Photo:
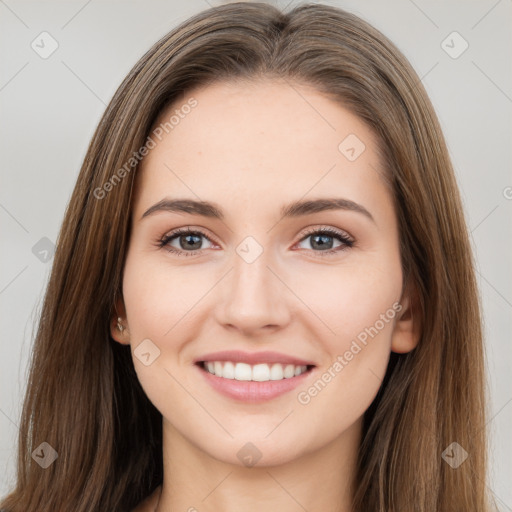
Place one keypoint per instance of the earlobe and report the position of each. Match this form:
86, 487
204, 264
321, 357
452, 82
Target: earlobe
118, 326
407, 330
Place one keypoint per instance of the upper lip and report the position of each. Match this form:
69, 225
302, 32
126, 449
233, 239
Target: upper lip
237, 356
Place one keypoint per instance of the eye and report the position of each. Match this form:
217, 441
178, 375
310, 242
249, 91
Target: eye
184, 241
188, 242
321, 241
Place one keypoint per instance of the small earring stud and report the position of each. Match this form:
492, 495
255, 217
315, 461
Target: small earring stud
120, 326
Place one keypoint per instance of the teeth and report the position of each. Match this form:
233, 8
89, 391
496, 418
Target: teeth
258, 372
229, 370
241, 371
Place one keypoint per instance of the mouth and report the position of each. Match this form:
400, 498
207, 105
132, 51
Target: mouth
261, 372
253, 383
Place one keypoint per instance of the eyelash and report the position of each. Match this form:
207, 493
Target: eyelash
346, 241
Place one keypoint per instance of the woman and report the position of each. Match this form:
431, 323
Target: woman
257, 289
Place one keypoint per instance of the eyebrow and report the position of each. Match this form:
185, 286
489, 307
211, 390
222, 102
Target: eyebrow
295, 209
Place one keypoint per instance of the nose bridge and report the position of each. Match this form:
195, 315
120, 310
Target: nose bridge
252, 296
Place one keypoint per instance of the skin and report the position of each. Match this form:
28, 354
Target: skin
252, 148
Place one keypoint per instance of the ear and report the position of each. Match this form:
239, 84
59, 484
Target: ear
118, 324
407, 330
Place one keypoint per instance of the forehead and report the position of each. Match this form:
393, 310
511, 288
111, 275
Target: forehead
259, 141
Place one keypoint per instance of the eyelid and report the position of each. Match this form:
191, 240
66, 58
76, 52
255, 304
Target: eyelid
190, 229
328, 229
345, 238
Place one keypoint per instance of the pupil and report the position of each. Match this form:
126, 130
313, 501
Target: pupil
323, 243
186, 238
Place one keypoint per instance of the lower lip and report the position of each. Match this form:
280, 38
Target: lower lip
253, 391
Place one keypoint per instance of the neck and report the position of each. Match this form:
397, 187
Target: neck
322, 479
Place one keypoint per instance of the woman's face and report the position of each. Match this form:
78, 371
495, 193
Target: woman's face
298, 256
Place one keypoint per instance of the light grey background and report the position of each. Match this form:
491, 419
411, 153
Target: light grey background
50, 107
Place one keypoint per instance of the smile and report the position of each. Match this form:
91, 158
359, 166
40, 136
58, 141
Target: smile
253, 383
258, 372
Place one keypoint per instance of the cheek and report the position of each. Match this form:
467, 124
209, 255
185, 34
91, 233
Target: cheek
358, 308
348, 300
159, 308
157, 296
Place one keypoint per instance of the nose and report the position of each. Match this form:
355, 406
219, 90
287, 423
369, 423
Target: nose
253, 298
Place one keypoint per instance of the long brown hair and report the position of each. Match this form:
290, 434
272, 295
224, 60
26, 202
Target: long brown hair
83, 397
